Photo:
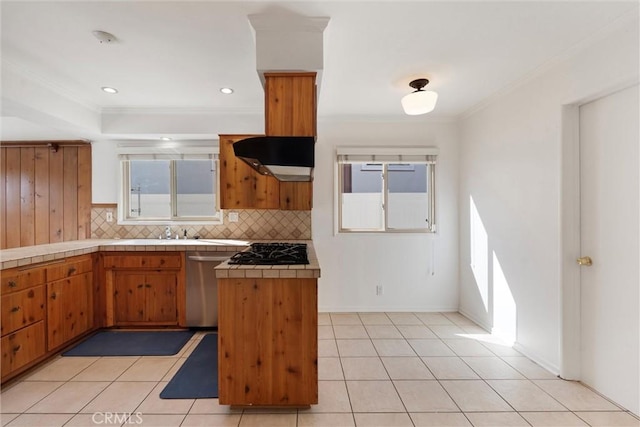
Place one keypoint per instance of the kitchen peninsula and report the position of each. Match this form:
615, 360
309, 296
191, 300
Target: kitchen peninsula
268, 334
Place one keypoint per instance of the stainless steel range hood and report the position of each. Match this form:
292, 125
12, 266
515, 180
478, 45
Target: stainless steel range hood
287, 158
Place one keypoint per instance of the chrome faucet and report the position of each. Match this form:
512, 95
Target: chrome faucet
167, 231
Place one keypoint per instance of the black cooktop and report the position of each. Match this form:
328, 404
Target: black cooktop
272, 254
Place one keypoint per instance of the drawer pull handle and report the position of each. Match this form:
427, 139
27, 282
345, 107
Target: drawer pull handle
140, 285
54, 296
12, 284
17, 348
71, 271
15, 309
147, 285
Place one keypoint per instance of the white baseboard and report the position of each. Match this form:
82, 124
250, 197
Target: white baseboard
404, 309
551, 367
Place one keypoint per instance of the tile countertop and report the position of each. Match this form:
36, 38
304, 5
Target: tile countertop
19, 257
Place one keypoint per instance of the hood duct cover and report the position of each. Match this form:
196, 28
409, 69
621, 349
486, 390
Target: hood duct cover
287, 158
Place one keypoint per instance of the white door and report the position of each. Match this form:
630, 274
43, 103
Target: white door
609, 193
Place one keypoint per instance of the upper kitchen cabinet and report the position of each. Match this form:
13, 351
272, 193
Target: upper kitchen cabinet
290, 104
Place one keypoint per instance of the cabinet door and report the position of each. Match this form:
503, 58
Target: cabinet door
22, 308
241, 187
290, 104
129, 297
296, 196
69, 309
161, 302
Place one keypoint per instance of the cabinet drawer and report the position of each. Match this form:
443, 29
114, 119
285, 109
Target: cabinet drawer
22, 347
14, 280
70, 267
159, 261
21, 309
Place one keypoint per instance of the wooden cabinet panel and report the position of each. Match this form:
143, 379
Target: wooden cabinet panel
67, 269
69, 309
296, 196
21, 309
161, 298
22, 347
268, 342
241, 187
129, 297
145, 298
151, 261
14, 280
290, 104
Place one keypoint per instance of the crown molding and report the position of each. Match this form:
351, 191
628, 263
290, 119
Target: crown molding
149, 110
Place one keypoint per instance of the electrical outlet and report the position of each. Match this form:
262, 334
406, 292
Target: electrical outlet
233, 216
109, 216
379, 290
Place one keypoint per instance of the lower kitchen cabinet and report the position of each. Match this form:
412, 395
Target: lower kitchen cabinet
69, 309
22, 347
145, 298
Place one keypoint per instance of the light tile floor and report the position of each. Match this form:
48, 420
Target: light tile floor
375, 369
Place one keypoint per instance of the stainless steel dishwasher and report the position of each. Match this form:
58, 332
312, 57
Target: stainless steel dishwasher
202, 287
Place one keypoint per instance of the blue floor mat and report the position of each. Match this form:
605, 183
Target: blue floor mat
197, 378
130, 343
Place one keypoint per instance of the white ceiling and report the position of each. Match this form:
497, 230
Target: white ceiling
172, 57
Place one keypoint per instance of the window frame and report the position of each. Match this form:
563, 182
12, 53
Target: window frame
129, 152
387, 156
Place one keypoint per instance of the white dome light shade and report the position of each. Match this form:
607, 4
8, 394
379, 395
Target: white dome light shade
420, 101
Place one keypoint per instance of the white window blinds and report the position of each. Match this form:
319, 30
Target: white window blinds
182, 150
425, 155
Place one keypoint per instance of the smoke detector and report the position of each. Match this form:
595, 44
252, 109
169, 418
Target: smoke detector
104, 37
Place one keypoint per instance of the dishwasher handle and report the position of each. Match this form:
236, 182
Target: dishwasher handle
208, 258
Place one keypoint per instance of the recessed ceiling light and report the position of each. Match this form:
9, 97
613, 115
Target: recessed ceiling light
109, 89
226, 90
166, 138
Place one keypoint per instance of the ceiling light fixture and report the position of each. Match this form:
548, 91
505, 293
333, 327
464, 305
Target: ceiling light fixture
109, 89
226, 90
420, 101
103, 36
166, 138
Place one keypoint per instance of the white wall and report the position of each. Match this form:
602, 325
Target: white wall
418, 272
510, 170
105, 172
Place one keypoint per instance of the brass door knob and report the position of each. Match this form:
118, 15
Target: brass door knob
585, 260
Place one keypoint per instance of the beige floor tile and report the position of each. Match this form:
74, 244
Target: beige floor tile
106, 369
448, 331
21, 396
416, 332
148, 369
475, 396
393, 348
159, 420
425, 396
211, 406
426, 419
475, 331
524, 395
406, 368
325, 420
374, 396
433, 319
120, 396
324, 319
174, 369
528, 368
466, 347
329, 368
69, 398
188, 348
356, 348
552, 419
211, 420
61, 369
496, 419
449, 368
430, 348
375, 319
492, 368
268, 420
609, 419
41, 420
459, 319
332, 397
500, 349
383, 420
153, 404
325, 332
345, 319
383, 331
349, 331
575, 396
327, 348
404, 319
6, 418
364, 368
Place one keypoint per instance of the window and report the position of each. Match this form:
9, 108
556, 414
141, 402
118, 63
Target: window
165, 186
379, 191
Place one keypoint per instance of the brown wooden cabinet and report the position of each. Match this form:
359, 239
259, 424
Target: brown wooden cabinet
69, 308
268, 342
290, 104
145, 290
